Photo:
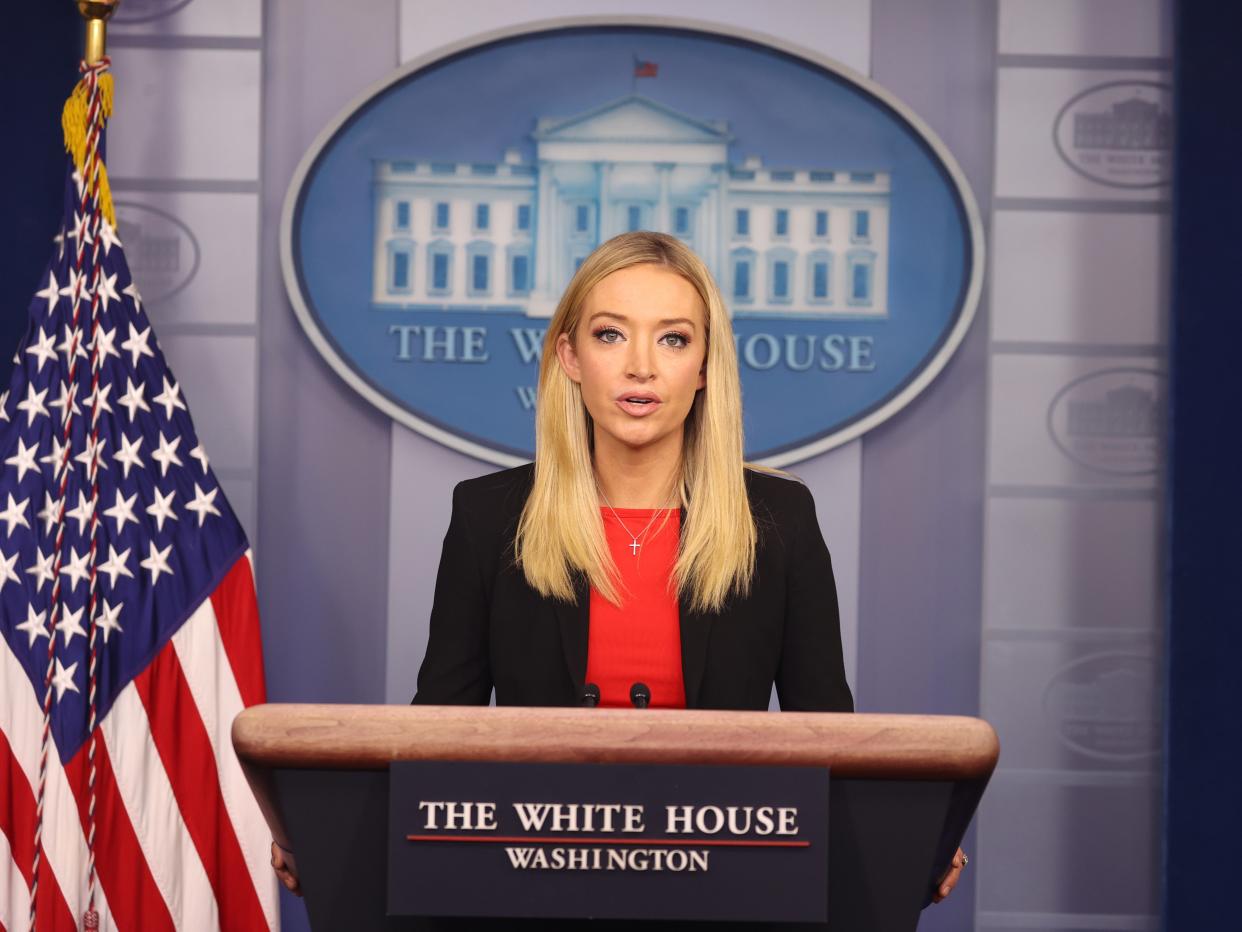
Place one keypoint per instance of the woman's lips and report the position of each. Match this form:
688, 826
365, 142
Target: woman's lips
638, 404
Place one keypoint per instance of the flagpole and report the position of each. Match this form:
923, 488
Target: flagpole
96, 13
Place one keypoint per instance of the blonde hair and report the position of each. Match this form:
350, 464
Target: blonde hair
561, 534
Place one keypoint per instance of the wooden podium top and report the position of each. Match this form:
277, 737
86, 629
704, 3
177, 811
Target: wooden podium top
369, 737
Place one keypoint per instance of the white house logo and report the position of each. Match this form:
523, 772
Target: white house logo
431, 229
159, 247
1119, 133
143, 11
1107, 706
1110, 421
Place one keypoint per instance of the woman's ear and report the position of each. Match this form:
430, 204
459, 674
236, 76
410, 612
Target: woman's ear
703, 375
568, 357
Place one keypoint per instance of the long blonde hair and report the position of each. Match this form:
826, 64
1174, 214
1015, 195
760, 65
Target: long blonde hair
561, 533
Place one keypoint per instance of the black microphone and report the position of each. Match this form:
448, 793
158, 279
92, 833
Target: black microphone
590, 695
640, 695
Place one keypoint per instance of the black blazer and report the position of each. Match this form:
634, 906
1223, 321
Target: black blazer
490, 629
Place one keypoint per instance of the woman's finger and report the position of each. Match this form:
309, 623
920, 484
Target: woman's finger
950, 878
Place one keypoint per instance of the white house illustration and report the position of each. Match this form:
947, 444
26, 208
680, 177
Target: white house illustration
509, 235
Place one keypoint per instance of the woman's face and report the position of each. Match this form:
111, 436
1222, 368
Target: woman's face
638, 354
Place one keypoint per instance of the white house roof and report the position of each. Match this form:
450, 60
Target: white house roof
631, 119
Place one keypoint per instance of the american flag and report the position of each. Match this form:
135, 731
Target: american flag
127, 603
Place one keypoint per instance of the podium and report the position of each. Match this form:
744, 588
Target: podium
902, 790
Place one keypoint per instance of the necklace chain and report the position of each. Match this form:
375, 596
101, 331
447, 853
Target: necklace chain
634, 544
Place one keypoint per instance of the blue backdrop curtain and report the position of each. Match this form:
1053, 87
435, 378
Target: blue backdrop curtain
37, 71
1203, 785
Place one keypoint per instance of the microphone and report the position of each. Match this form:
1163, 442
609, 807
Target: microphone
590, 696
640, 695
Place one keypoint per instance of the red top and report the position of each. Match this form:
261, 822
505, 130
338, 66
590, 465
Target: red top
641, 641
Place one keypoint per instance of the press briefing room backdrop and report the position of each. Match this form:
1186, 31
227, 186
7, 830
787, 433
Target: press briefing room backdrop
971, 249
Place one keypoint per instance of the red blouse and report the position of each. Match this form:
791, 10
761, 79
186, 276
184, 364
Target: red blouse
640, 641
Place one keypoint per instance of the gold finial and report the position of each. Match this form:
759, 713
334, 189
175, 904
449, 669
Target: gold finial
96, 13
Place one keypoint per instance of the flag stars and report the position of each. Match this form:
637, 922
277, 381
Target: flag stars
33, 403
106, 620
105, 290
56, 457
132, 291
76, 569
48, 514
169, 398
6, 570
34, 626
134, 398
70, 625
166, 455
92, 456
41, 569
97, 401
200, 454
136, 345
157, 562
81, 225
68, 401
15, 514
83, 512
51, 293
102, 345
77, 287
63, 680
4, 406
115, 565
128, 456
107, 236
43, 349
162, 508
202, 505
71, 343
24, 459
122, 511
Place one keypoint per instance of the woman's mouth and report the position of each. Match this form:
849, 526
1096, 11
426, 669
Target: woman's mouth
638, 404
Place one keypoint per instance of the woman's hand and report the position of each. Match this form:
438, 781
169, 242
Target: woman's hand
286, 869
949, 880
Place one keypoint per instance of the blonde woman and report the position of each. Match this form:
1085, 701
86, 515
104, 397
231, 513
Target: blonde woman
638, 547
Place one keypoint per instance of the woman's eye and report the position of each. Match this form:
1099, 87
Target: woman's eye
676, 340
608, 335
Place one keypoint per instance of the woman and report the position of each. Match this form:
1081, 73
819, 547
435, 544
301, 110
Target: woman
638, 547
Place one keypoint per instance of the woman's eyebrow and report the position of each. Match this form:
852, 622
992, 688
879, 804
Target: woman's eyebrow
666, 322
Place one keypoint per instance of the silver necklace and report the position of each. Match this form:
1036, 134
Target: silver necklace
633, 544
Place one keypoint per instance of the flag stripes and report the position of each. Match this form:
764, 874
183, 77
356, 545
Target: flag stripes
184, 833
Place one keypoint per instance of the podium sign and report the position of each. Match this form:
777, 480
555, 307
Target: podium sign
608, 841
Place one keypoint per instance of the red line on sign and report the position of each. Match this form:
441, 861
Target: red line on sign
676, 842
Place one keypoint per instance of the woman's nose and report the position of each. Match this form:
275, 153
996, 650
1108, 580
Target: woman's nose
638, 363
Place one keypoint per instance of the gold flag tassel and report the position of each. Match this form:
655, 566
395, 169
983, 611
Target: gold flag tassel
75, 121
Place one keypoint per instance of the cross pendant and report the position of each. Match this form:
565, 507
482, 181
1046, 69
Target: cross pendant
634, 547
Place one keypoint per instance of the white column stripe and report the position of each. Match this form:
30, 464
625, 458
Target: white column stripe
210, 678
64, 843
148, 797
14, 894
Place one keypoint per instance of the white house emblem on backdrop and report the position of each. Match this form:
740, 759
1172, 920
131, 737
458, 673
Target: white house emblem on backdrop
431, 229
1110, 421
1119, 133
452, 235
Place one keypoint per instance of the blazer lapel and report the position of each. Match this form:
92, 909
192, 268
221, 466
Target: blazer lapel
695, 629
575, 621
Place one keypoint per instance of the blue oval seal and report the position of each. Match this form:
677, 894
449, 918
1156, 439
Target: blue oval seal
430, 229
